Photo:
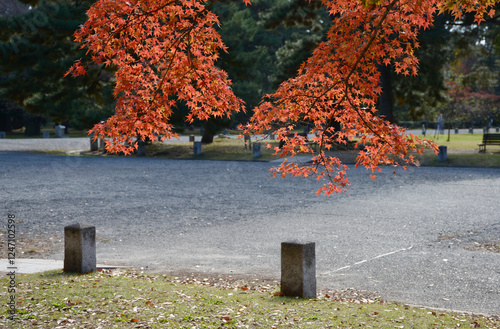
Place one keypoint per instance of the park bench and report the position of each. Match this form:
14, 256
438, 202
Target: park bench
489, 139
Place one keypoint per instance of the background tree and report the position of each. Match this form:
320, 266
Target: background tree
416, 97
267, 42
36, 49
472, 73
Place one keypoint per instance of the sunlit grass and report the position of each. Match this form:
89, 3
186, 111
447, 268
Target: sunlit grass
220, 149
136, 300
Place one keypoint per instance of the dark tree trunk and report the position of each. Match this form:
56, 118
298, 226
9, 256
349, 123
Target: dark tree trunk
385, 105
32, 124
208, 137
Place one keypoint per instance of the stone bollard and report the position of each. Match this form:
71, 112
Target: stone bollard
141, 148
102, 142
443, 153
79, 248
191, 138
59, 131
196, 148
94, 143
256, 150
497, 129
2, 134
298, 269
471, 130
46, 134
456, 131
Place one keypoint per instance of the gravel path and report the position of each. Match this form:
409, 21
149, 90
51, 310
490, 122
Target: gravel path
413, 237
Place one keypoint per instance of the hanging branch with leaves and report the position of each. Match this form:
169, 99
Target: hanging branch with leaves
167, 50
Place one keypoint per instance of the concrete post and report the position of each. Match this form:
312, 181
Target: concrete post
2, 134
141, 148
256, 150
298, 269
103, 145
46, 134
59, 131
196, 148
191, 138
443, 153
79, 248
94, 143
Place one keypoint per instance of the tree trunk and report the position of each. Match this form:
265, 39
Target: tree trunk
32, 123
208, 137
385, 105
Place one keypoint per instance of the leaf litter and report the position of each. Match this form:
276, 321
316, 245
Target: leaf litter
127, 299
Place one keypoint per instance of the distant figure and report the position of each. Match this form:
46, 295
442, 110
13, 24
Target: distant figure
440, 124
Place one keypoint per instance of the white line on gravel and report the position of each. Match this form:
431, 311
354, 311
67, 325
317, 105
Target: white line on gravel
373, 258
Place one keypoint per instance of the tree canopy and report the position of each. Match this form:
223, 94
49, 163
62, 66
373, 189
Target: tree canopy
166, 51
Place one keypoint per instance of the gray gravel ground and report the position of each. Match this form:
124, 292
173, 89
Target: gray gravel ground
405, 236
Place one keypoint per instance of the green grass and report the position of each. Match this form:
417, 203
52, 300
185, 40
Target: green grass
463, 151
220, 149
460, 143
125, 300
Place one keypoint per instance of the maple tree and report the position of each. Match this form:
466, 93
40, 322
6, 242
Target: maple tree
165, 50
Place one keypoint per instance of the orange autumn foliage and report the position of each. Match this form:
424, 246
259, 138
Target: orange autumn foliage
166, 50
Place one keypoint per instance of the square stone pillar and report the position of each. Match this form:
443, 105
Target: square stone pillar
298, 269
443, 153
256, 150
59, 131
102, 145
94, 143
196, 148
79, 248
141, 148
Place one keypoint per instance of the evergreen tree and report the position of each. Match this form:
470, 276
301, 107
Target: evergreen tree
416, 97
265, 47
36, 49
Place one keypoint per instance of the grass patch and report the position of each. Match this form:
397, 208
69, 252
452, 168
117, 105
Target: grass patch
123, 299
461, 160
460, 143
220, 149
462, 151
